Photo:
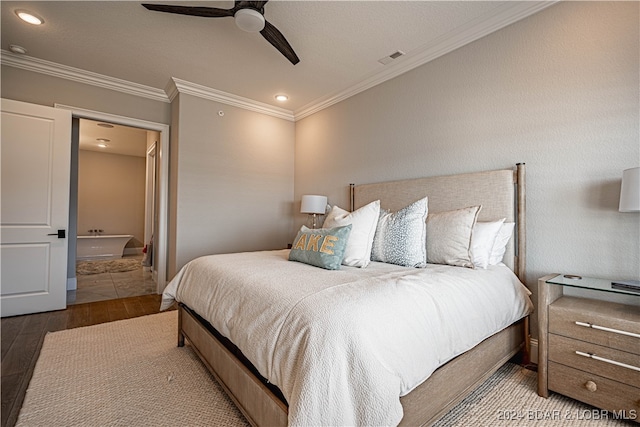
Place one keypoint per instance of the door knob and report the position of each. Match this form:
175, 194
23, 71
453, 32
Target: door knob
61, 234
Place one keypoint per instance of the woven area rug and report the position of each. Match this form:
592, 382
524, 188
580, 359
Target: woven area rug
130, 373
509, 399
124, 373
107, 266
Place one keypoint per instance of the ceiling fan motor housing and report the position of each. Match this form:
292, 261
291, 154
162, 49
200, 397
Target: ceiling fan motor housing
249, 20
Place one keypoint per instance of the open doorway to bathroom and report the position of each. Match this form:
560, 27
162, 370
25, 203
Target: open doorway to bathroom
117, 169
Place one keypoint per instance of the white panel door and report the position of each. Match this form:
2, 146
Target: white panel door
35, 149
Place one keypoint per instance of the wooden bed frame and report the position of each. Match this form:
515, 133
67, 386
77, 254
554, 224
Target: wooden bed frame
502, 195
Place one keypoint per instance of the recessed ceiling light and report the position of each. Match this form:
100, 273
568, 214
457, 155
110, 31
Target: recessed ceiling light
102, 145
282, 98
17, 49
29, 17
103, 140
105, 125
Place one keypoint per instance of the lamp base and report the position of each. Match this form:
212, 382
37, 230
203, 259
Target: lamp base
627, 285
313, 221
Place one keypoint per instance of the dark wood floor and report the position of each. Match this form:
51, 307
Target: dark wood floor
22, 338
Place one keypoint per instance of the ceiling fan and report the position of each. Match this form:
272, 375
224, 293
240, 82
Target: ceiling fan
249, 16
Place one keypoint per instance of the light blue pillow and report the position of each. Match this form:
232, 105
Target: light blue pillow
401, 236
323, 247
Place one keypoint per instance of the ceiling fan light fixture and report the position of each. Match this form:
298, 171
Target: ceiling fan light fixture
249, 20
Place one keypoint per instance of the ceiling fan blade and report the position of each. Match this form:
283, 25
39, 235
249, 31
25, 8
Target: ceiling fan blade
278, 41
207, 12
259, 5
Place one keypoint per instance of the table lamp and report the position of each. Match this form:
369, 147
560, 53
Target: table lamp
314, 206
630, 191
629, 202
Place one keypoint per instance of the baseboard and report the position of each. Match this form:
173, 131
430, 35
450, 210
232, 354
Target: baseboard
533, 346
72, 283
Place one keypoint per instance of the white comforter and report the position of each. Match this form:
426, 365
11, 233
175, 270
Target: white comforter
344, 345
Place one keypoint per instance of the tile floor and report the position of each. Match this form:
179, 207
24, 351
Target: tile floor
106, 286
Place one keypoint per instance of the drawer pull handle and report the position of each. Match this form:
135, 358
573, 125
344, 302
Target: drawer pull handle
591, 386
604, 328
602, 359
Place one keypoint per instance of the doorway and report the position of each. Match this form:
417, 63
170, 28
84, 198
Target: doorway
159, 154
116, 167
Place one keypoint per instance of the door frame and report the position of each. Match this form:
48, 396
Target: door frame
162, 152
150, 193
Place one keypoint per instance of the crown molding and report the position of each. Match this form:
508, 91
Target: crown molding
176, 86
502, 16
505, 15
42, 66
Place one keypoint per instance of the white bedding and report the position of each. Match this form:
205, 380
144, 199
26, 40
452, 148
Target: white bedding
344, 345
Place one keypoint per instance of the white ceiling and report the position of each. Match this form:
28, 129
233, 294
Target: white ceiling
125, 140
339, 42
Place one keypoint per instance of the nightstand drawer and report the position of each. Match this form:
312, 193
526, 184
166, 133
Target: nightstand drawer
620, 322
607, 394
563, 350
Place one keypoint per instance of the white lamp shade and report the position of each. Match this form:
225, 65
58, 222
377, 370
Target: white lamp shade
312, 204
630, 191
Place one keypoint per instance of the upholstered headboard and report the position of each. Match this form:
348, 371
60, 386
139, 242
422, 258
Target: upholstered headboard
500, 192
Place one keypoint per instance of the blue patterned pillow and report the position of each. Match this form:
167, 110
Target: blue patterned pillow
322, 247
401, 236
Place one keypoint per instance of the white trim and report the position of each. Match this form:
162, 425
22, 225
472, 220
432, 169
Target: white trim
498, 18
84, 113
176, 86
72, 283
161, 240
493, 21
42, 66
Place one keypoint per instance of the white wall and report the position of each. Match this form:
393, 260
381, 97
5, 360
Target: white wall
231, 180
231, 177
558, 91
111, 195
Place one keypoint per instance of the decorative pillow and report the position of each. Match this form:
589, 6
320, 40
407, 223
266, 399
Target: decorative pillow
400, 236
449, 236
323, 247
500, 245
482, 239
364, 222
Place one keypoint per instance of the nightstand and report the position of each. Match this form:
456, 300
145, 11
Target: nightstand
589, 349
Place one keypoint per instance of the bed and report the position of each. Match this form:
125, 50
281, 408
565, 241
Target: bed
304, 354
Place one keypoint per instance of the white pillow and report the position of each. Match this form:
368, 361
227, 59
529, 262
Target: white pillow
482, 240
364, 222
449, 236
500, 245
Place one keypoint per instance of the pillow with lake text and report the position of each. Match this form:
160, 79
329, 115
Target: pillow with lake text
322, 247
